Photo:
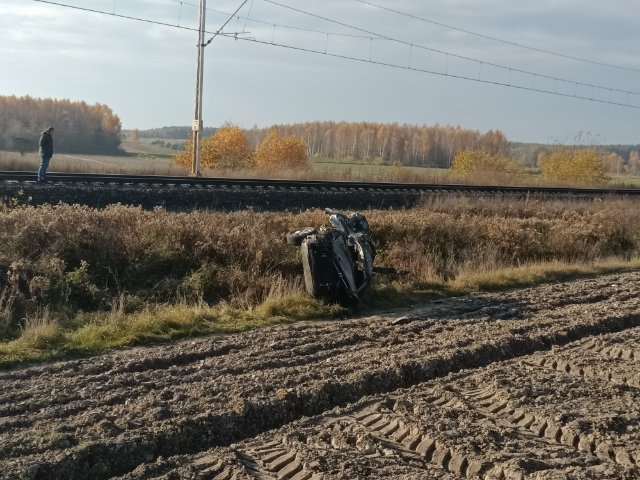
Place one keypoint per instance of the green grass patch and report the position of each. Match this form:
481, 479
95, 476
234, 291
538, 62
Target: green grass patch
379, 173
89, 333
535, 274
495, 280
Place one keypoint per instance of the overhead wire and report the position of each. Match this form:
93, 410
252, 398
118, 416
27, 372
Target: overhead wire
174, 25
248, 15
117, 15
231, 17
247, 18
433, 72
377, 62
500, 40
449, 54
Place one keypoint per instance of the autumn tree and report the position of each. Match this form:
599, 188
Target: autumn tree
226, 149
614, 163
634, 162
134, 135
573, 165
277, 151
469, 162
185, 157
416, 145
79, 127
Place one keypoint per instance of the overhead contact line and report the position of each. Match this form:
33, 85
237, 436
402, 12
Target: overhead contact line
496, 39
375, 36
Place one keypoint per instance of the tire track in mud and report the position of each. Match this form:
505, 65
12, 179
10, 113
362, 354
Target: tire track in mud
618, 363
409, 432
493, 403
255, 417
266, 381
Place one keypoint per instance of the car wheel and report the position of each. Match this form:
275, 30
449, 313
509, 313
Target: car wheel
296, 238
309, 268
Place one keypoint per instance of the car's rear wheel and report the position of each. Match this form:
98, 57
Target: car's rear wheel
309, 267
296, 238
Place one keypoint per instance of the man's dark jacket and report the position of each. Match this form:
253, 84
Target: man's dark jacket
46, 144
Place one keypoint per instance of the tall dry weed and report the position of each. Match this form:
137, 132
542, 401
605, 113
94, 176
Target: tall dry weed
7, 300
78, 258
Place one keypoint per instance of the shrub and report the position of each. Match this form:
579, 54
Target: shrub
276, 151
573, 165
71, 258
225, 149
469, 162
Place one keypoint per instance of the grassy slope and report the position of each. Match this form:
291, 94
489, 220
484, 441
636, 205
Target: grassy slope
75, 280
47, 340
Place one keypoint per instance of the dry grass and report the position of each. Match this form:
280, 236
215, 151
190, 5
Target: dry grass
138, 164
87, 279
145, 159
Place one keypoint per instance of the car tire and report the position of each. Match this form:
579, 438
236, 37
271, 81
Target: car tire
296, 238
309, 269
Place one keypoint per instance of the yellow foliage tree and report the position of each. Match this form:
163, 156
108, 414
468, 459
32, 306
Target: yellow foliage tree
613, 163
185, 157
573, 165
634, 162
227, 148
468, 162
281, 152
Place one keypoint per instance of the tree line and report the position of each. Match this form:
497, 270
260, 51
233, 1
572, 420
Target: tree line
383, 143
79, 127
229, 149
171, 133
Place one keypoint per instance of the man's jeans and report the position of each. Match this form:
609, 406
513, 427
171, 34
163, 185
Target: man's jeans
44, 164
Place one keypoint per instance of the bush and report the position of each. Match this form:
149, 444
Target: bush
276, 151
226, 149
573, 165
469, 162
71, 258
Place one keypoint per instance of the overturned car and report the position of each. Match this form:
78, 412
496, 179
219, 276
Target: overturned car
337, 260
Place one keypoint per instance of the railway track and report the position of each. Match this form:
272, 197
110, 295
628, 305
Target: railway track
253, 183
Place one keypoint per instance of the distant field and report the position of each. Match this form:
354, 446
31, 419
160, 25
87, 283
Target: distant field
141, 164
626, 180
146, 146
145, 158
380, 173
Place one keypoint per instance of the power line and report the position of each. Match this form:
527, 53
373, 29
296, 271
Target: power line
500, 40
248, 15
380, 63
225, 23
174, 25
118, 15
448, 54
276, 25
443, 74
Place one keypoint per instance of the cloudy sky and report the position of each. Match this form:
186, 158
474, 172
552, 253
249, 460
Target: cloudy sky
146, 71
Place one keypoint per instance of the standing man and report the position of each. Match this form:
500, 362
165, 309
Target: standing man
46, 152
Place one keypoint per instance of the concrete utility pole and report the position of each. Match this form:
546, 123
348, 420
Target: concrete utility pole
197, 122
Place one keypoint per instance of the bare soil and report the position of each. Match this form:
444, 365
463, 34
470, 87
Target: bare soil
540, 383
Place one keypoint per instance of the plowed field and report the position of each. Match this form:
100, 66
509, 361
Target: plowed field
540, 383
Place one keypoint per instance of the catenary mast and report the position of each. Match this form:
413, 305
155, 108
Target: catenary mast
197, 122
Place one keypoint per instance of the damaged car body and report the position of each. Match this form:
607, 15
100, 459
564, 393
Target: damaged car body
337, 260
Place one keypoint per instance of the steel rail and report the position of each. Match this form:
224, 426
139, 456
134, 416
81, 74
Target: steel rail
93, 178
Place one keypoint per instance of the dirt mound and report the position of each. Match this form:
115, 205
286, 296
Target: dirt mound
534, 383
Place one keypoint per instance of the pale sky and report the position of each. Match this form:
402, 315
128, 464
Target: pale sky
146, 72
